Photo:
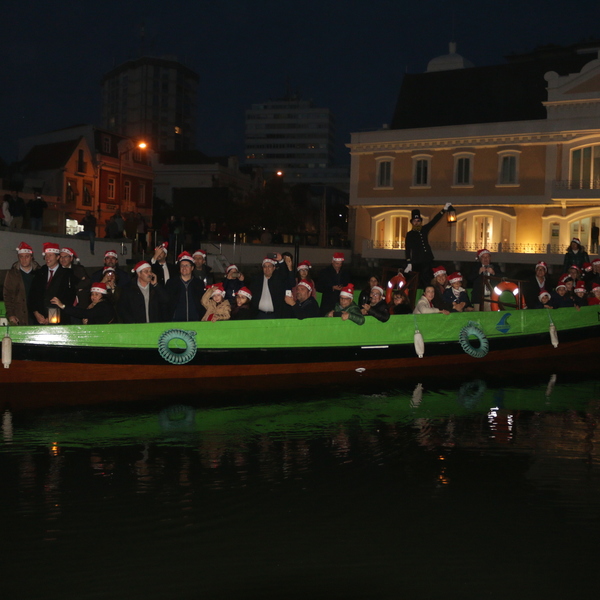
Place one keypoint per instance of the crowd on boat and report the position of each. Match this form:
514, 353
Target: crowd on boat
186, 290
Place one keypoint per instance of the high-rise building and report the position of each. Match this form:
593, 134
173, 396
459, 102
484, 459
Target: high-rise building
290, 135
154, 99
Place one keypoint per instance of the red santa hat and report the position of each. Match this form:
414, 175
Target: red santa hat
561, 284
200, 253
306, 285
107, 269
269, 261
98, 287
244, 292
544, 294
481, 252
439, 271
50, 247
376, 288
68, 251
348, 291
574, 267
305, 264
185, 255
456, 276
111, 253
338, 257
24, 248
595, 286
164, 247
141, 265
232, 268
596, 261
580, 287
576, 240
587, 267
543, 265
217, 288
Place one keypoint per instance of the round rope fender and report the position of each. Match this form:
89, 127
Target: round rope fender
506, 286
398, 282
177, 355
471, 329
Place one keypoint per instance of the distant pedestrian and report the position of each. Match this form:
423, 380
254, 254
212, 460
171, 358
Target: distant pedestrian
36, 212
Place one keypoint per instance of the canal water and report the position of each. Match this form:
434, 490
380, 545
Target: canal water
472, 489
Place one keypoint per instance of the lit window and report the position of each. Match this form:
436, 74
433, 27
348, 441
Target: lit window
111, 188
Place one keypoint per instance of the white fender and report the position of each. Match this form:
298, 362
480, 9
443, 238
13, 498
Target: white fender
419, 344
553, 335
6, 351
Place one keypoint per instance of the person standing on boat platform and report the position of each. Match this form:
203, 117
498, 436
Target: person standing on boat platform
111, 259
49, 281
304, 306
143, 301
185, 292
479, 279
419, 255
331, 282
269, 290
160, 267
17, 286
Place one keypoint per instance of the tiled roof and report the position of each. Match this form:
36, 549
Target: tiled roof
50, 156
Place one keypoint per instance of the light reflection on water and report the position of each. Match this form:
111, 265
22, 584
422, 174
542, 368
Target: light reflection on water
421, 492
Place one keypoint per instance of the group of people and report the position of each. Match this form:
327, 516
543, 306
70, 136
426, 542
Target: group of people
161, 291
13, 210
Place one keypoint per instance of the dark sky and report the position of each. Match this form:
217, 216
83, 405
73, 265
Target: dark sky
345, 55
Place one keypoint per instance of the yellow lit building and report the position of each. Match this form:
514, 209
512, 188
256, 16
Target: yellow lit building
514, 147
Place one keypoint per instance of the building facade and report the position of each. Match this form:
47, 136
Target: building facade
84, 168
293, 136
515, 148
152, 99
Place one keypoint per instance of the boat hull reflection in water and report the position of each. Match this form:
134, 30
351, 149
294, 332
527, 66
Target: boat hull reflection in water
417, 492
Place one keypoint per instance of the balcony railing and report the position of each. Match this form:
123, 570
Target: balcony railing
577, 184
495, 247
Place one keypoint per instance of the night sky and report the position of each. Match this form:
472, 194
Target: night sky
345, 55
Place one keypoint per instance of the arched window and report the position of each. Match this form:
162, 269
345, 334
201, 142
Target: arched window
389, 229
508, 168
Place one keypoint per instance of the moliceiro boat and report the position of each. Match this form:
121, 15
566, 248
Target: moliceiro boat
256, 353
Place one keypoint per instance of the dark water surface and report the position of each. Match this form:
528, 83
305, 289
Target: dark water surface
460, 491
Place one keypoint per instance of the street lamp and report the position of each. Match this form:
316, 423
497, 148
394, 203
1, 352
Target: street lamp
142, 146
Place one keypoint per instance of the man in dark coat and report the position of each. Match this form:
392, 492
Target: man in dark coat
479, 279
143, 300
536, 284
331, 281
304, 306
185, 292
49, 281
202, 271
160, 267
419, 255
268, 291
111, 259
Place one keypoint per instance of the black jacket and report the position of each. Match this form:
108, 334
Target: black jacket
63, 286
132, 309
416, 243
327, 279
